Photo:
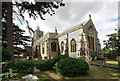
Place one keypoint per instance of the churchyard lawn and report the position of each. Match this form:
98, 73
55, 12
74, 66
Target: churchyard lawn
109, 63
94, 73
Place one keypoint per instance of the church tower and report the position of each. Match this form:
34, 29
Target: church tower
37, 34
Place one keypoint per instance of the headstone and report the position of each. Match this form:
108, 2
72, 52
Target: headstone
27, 57
30, 77
36, 70
104, 62
90, 59
10, 70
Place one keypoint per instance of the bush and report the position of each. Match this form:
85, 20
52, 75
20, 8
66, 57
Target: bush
110, 54
6, 65
107, 52
19, 66
48, 65
42, 66
7, 76
72, 67
6, 55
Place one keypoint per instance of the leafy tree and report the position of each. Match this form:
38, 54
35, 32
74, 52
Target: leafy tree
113, 43
34, 10
18, 38
107, 52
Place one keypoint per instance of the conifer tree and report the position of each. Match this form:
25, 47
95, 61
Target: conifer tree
35, 10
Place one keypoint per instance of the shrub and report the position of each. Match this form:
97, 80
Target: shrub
7, 76
6, 55
41, 66
110, 54
51, 63
48, 65
71, 67
19, 66
6, 65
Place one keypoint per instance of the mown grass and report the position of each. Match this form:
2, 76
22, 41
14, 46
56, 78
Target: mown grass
94, 73
100, 73
109, 63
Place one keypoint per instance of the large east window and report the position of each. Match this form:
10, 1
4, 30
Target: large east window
91, 38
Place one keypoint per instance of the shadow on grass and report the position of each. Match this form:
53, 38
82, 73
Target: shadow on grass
94, 74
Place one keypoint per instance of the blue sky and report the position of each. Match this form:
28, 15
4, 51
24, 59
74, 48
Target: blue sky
113, 19
104, 15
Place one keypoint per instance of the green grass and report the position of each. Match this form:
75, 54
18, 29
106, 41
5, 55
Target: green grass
100, 73
109, 63
94, 73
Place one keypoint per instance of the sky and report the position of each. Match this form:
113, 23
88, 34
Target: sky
103, 14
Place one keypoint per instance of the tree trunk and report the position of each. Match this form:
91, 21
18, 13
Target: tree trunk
10, 29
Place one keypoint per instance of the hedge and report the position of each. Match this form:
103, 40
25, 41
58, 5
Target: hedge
19, 66
48, 65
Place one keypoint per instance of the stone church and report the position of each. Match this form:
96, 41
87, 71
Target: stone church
80, 41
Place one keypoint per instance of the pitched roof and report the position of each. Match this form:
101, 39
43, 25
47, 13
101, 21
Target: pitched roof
72, 29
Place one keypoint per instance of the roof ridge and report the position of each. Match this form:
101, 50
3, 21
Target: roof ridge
73, 27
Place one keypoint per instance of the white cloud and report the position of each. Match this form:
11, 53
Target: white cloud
76, 12
91, 0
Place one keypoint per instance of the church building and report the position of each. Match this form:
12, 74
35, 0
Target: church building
80, 41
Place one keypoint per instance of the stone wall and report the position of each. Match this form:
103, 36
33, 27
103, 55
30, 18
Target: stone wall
51, 53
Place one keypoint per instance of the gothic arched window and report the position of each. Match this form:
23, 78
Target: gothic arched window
43, 48
62, 47
53, 46
73, 45
91, 38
